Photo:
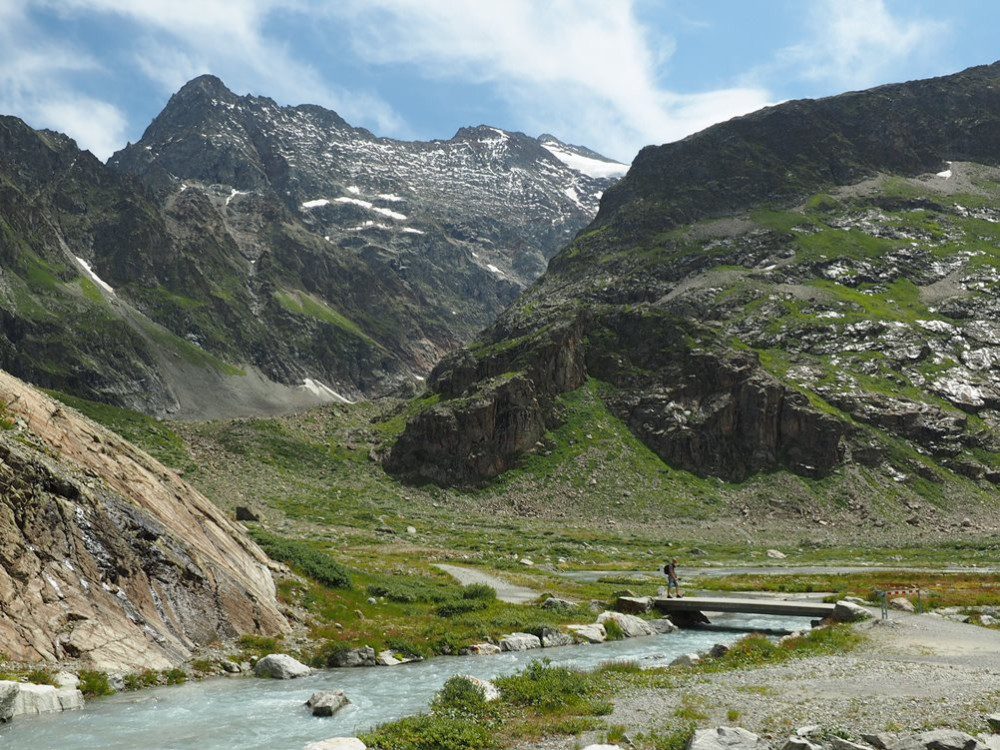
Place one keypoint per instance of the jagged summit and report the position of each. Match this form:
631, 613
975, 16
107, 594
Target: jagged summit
262, 257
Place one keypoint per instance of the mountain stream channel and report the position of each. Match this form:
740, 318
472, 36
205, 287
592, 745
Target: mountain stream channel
257, 714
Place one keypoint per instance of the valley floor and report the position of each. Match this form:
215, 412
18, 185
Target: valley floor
913, 673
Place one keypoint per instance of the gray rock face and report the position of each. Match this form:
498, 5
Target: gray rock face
482, 649
520, 642
358, 657
327, 703
280, 667
686, 660
724, 738
947, 739
800, 743
554, 602
110, 558
552, 638
662, 625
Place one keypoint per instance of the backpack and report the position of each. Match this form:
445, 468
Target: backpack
666, 568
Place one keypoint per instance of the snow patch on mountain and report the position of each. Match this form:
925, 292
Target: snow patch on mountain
585, 164
319, 389
97, 279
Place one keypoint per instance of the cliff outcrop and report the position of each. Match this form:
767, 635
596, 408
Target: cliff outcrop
106, 556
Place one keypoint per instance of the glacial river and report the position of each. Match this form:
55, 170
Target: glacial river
258, 714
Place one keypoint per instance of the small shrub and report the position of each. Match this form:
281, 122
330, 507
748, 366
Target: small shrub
139, 680
479, 591
310, 561
613, 630
676, 738
205, 666
545, 687
733, 715
400, 645
431, 733
261, 645
460, 607
175, 676
460, 698
94, 684
41, 677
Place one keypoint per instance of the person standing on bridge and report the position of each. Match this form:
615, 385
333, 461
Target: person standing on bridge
671, 570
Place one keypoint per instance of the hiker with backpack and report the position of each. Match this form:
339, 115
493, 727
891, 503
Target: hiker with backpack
671, 570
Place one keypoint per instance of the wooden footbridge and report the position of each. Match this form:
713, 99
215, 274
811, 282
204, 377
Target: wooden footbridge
750, 606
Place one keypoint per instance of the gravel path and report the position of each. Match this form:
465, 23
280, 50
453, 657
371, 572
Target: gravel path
506, 591
914, 672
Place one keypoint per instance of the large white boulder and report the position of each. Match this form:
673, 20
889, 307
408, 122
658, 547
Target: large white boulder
724, 738
280, 667
631, 625
592, 633
18, 698
520, 642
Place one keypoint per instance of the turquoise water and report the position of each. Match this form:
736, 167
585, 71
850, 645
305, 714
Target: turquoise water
256, 714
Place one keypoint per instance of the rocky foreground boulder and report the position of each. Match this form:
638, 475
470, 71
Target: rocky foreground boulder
17, 699
106, 556
280, 667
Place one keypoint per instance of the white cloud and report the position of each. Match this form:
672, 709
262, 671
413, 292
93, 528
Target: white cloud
34, 85
585, 69
180, 39
858, 43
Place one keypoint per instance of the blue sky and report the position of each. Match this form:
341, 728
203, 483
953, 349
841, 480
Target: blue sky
613, 75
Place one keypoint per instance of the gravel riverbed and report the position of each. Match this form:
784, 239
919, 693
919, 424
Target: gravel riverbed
914, 672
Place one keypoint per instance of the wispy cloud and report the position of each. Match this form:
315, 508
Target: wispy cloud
583, 68
859, 43
35, 83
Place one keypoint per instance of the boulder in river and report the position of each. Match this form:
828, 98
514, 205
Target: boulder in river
17, 698
592, 633
357, 657
520, 642
280, 667
327, 702
631, 626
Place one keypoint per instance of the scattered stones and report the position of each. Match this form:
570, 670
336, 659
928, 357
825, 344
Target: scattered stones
776, 554
327, 703
280, 667
527, 562
411, 530
520, 642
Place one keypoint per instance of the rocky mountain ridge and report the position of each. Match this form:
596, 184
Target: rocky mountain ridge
108, 558
249, 258
775, 293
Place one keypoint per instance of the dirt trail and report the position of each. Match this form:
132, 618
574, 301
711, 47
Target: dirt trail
506, 591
